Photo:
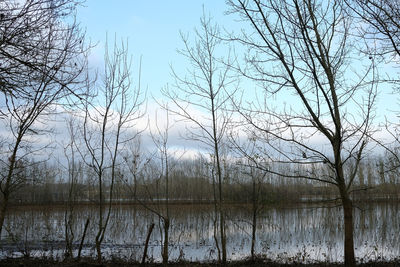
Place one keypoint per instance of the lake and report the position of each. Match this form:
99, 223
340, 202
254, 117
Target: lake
304, 233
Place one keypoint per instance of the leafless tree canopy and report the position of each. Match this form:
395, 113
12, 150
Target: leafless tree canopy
39, 41
205, 87
380, 25
42, 56
109, 114
302, 136
305, 48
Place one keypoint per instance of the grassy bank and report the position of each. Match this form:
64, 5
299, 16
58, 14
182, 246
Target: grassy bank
14, 262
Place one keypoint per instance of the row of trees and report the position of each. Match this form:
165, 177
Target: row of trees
52, 186
308, 50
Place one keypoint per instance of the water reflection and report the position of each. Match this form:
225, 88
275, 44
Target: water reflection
302, 233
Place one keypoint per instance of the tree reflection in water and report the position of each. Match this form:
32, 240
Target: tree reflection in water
302, 233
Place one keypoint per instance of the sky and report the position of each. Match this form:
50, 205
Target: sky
152, 29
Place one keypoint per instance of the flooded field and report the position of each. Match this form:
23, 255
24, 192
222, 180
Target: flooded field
303, 233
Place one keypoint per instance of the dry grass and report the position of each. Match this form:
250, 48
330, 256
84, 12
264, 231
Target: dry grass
21, 262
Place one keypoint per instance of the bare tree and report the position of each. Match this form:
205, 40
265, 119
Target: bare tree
381, 31
381, 25
160, 140
302, 51
107, 119
40, 41
74, 180
161, 163
379, 22
256, 178
42, 58
69, 217
137, 163
204, 89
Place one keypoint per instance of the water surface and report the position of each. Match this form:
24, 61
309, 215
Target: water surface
306, 233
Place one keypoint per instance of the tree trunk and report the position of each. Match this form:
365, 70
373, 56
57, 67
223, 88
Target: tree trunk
165, 245
6, 191
254, 221
216, 236
223, 237
100, 223
146, 245
68, 236
3, 209
349, 258
220, 202
253, 234
83, 238
98, 250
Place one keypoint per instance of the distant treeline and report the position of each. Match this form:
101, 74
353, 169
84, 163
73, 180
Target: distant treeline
189, 182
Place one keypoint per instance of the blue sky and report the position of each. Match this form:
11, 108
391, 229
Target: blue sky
153, 32
152, 29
